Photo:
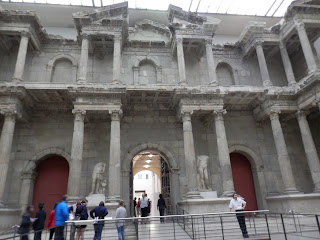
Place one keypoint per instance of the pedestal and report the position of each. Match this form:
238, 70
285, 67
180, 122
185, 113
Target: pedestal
208, 194
209, 205
95, 199
9, 217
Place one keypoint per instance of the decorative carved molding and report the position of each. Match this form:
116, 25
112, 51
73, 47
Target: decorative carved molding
25, 34
302, 114
208, 42
218, 114
258, 43
115, 114
10, 113
300, 26
274, 114
179, 40
186, 115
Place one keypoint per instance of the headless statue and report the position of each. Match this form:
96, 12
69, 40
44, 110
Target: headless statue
202, 164
98, 183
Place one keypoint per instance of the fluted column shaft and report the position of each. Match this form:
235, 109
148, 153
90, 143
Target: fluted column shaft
287, 64
116, 59
181, 63
114, 160
5, 148
310, 149
21, 58
189, 154
83, 64
76, 154
223, 153
263, 65
210, 62
282, 152
306, 47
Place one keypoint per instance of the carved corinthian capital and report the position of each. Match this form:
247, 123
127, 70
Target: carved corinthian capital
179, 40
79, 114
25, 34
117, 37
300, 26
10, 113
208, 42
258, 44
186, 115
274, 114
218, 114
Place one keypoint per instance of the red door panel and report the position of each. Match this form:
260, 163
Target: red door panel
51, 182
243, 180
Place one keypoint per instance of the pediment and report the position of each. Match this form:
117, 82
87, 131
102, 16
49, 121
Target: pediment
148, 30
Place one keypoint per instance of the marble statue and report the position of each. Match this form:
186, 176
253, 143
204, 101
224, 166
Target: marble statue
202, 164
98, 183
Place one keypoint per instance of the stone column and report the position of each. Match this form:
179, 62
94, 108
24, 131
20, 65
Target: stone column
262, 65
26, 189
116, 59
210, 62
76, 154
114, 159
181, 64
223, 153
282, 152
310, 149
5, 147
83, 64
287, 64
189, 155
306, 47
21, 58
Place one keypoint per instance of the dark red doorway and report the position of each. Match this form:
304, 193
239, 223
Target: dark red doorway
243, 180
51, 182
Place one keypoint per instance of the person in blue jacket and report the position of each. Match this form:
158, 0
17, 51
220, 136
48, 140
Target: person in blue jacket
62, 215
98, 213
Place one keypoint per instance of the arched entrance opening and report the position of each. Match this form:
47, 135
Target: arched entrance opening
150, 174
243, 180
51, 182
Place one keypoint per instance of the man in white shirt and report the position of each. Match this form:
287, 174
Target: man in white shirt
239, 205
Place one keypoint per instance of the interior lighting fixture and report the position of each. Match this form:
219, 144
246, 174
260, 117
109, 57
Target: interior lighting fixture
148, 161
150, 155
146, 166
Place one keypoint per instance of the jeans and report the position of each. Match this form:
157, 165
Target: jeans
24, 237
59, 233
120, 232
51, 233
161, 210
37, 235
242, 223
97, 231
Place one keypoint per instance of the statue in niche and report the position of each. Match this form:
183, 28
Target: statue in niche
202, 164
98, 183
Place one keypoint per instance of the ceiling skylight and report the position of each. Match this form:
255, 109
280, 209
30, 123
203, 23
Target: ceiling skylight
275, 8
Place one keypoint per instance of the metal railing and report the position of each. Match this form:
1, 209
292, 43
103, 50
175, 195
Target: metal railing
260, 225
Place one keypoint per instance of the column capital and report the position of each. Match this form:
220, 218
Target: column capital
300, 26
79, 114
282, 45
10, 113
186, 115
179, 40
274, 114
25, 34
258, 43
208, 42
117, 37
85, 36
218, 114
301, 114
115, 114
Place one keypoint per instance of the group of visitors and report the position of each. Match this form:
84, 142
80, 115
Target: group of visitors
142, 207
62, 213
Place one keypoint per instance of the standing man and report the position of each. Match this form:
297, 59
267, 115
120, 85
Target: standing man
38, 224
134, 207
62, 215
98, 213
121, 213
161, 206
239, 205
144, 207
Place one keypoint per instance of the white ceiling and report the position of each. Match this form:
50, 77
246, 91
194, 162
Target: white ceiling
61, 16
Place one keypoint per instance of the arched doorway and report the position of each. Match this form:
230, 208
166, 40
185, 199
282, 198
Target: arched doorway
51, 182
243, 180
152, 169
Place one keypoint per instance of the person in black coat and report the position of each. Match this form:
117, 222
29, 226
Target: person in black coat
38, 224
161, 206
82, 212
25, 223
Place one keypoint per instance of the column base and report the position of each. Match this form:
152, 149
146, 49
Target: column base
227, 193
213, 84
312, 70
193, 195
116, 81
16, 80
81, 82
316, 190
291, 191
292, 84
182, 82
267, 83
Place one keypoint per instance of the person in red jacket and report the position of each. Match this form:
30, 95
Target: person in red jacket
51, 222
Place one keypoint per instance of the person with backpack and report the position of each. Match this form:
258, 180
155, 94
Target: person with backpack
81, 214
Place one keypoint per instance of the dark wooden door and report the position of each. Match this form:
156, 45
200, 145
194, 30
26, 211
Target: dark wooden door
51, 182
243, 180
